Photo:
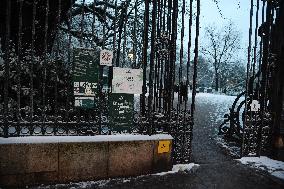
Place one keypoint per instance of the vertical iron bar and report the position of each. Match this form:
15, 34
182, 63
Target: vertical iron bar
57, 57
70, 62
158, 88
32, 66
168, 81
161, 93
134, 35
152, 62
124, 39
45, 61
160, 64
254, 64
19, 56
69, 78
157, 61
82, 24
58, 19
195, 60
101, 68
93, 25
248, 77
255, 39
181, 84
7, 68
188, 49
118, 49
69, 65
144, 57
163, 69
163, 23
71, 68
261, 49
173, 56
110, 75
194, 71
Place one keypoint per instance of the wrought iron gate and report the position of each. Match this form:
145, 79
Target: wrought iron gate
41, 41
255, 121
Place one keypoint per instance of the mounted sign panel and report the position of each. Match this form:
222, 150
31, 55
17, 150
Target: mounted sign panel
127, 80
106, 57
85, 77
121, 111
255, 106
164, 146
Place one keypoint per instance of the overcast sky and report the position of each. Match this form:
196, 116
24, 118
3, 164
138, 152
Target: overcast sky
235, 10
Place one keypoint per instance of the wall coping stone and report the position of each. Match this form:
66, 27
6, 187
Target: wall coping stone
75, 139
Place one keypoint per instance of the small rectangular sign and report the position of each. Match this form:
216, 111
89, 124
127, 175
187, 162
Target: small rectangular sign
127, 80
164, 146
85, 102
106, 57
255, 106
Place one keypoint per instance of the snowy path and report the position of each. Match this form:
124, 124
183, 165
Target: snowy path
218, 170
209, 113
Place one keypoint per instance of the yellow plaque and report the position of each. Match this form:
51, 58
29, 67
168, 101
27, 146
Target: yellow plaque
164, 146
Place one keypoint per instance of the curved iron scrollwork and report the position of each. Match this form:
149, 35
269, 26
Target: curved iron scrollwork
231, 125
255, 130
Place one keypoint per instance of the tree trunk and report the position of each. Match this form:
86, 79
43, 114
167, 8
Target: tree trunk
216, 80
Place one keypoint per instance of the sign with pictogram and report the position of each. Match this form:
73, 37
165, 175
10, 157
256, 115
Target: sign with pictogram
255, 106
106, 57
164, 146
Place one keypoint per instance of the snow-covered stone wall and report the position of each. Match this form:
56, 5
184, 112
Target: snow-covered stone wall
62, 159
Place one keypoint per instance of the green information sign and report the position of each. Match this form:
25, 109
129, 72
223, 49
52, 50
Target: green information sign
85, 77
121, 111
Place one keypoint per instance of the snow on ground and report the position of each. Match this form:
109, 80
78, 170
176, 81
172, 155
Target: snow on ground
220, 102
219, 105
180, 168
98, 184
78, 185
274, 167
230, 147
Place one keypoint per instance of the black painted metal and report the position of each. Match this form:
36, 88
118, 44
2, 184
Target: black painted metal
254, 131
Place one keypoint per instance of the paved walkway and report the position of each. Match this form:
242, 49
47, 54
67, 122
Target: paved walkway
217, 170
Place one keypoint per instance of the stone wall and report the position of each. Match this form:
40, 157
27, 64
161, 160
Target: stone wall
48, 160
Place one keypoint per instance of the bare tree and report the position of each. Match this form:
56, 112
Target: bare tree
221, 47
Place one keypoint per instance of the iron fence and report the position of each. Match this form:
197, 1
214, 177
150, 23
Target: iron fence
47, 45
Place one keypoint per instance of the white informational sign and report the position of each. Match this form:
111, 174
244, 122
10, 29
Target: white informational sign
127, 80
255, 106
106, 57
